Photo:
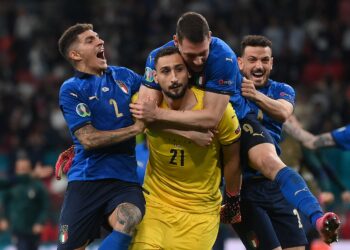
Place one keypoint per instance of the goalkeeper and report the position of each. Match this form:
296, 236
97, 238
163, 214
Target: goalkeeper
183, 178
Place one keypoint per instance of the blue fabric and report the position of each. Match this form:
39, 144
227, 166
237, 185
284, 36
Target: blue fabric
116, 241
220, 75
276, 91
341, 137
102, 101
295, 190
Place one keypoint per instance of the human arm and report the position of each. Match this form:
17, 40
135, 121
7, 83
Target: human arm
278, 109
92, 138
231, 166
293, 127
230, 212
323, 140
207, 118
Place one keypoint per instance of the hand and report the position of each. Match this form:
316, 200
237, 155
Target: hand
326, 198
202, 139
248, 89
37, 228
4, 225
145, 110
140, 125
345, 196
64, 162
230, 212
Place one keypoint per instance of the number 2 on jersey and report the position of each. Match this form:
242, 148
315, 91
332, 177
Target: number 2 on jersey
115, 105
174, 159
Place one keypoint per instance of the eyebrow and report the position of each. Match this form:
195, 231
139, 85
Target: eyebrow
175, 66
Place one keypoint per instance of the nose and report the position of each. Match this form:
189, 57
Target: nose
258, 64
198, 61
173, 76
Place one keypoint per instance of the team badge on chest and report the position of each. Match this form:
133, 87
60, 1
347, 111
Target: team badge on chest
122, 86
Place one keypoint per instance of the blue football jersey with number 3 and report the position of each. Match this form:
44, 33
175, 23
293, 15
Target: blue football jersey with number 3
102, 101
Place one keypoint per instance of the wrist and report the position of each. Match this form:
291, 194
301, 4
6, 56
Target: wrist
232, 193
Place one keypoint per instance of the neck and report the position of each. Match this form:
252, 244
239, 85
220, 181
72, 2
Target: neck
90, 71
185, 103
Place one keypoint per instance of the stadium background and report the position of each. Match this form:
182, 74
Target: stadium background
311, 48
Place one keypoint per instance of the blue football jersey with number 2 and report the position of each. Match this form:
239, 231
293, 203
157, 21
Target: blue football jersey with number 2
102, 101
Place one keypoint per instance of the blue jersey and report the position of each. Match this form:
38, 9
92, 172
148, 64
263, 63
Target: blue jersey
221, 74
274, 90
102, 101
341, 137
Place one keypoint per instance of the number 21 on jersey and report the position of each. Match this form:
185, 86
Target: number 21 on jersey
177, 157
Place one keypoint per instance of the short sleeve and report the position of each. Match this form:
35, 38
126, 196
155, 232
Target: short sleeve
229, 129
74, 108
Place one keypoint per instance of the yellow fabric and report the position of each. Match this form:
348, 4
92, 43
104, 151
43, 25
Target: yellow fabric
184, 175
164, 228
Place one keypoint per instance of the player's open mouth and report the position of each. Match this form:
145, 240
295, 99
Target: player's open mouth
101, 55
258, 74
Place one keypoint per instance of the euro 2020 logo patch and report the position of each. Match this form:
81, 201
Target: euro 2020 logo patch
83, 110
149, 74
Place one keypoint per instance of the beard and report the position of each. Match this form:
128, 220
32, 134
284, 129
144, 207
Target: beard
175, 95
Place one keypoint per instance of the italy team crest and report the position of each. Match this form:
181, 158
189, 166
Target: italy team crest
122, 86
63, 237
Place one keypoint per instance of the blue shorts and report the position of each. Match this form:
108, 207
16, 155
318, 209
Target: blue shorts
87, 205
253, 133
268, 220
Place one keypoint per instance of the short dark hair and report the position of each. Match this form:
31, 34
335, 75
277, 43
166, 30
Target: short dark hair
192, 26
255, 41
70, 35
167, 51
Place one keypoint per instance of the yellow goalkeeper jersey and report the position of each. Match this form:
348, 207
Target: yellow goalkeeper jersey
182, 175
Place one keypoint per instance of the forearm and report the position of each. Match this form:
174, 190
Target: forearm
232, 170
190, 119
277, 109
295, 130
146, 93
92, 138
214, 106
324, 140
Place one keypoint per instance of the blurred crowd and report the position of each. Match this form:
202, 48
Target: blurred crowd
311, 47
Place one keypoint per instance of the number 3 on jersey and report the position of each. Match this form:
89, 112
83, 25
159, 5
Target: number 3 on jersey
174, 160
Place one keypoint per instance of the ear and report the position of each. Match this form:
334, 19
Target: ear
155, 77
271, 63
74, 55
176, 41
209, 36
240, 63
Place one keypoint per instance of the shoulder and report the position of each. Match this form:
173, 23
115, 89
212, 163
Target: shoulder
221, 56
281, 88
219, 48
120, 72
71, 84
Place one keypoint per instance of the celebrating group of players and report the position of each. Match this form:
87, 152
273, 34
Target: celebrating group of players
205, 112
